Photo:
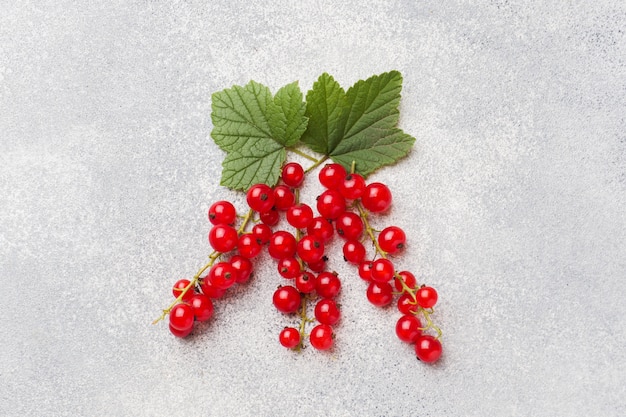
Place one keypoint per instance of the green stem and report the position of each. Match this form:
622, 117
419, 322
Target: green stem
316, 164
302, 154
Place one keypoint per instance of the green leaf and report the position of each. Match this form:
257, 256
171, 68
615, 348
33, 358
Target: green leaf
250, 166
287, 119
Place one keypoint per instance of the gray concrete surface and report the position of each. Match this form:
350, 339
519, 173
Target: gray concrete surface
513, 199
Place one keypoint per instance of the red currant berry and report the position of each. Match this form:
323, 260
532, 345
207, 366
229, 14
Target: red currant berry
349, 226
380, 293
300, 216
283, 197
180, 333
181, 317
222, 275
332, 175
406, 305
331, 204
365, 270
287, 299
382, 270
282, 245
222, 212
392, 239
353, 252
327, 312
322, 337
210, 290
178, 288
426, 297
202, 307
242, 267
289, 337
352, 187
407, 277
318, 266
223, 238
328, 285
305, 282
270, 217
289, 267
376, 197
427, 349
293, 174
248, 246
408, 328
310, 249
262, 233
260, 198
321, 228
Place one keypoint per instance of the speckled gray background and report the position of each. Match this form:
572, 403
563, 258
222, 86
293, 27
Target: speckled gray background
513, 199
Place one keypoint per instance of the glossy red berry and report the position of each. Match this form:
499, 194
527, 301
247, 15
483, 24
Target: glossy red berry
327, 312
282, 245
318, 266
248, 246
426, 297
293, 174
300, 216
270, 217
202, 307
428, 349
305, 282
310, 249
260, 198
382, 270
178, 288
332, 175
287, 299
365, 270
242, 267
222, 275
321, 337
222, 212
262, 233
328, 285
180, 333
181, 317
289, 267
349, 226
283, 197
380, 293
352, 187
376, 197
406, 305
321, 228
331, 204
223, 238
289, 337
353, 252
210, 290
392, 239
408, 328
407, 277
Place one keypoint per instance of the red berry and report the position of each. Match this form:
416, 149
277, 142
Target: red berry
318, 266
289, 337
407, 277
289, 267
352, 187
328, 285
283, 197
382, 270
426, 297
210, 290
406, 305
320, 228
327, 312
408, 328
353, 252
332, 175
392, 239
178, 288
222, 275
270, 217
349, 226
331, 204
242, 267
427, 348
365, 270
282, 245
293, 174
310, 249
247, 246
223, 238
300, 216
222, 212
376, 197
180, 333
181, 317
260, 198
321, 337
262, 233
305, 282
380, 293
202, 307
287, 299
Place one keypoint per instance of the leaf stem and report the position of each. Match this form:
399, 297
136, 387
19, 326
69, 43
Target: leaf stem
303, 154
316, 164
